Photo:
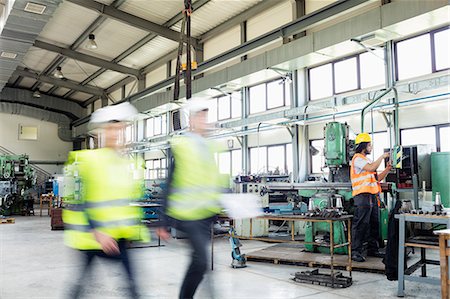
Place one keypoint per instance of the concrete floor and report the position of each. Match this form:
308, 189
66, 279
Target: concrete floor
34, 263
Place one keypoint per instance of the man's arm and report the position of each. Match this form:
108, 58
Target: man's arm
385, 172
372, 167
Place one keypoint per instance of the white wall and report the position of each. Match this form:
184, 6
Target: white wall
48, 146
223, 42
313, 5
269, 20
156, 76
275, 136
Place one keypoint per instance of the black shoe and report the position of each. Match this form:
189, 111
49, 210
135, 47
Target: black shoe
358, 258
375, 254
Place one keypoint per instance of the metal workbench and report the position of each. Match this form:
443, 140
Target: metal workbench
405, 274
331, 245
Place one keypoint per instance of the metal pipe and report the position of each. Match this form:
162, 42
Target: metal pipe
374, 102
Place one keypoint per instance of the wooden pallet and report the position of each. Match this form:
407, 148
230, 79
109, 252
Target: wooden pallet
7, 220
294, 254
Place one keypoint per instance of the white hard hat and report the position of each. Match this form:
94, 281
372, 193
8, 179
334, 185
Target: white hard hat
196, 105
121, 112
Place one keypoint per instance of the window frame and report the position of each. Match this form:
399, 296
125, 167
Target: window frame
266, 83
285, 167
432, 49
161, 167
333, 77
163, 125
436, 132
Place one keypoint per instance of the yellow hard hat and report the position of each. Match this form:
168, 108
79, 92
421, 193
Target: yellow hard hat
363, 137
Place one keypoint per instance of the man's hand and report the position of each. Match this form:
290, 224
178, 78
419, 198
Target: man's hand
109, 245
389, 165
162, 233
386, 155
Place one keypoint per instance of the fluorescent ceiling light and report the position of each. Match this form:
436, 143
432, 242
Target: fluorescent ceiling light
8, 55
58, 73
91, 44
35, 8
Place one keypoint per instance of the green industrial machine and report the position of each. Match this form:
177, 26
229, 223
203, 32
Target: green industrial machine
440, 176
338, 152
17, 177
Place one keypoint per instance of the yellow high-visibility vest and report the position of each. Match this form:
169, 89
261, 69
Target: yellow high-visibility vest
108, 188
364, 182
196, 183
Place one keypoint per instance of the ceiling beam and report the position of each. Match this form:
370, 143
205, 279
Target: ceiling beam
132, 20
59, 82
238, 19
60, 59
289, 29
87, 58
172, 21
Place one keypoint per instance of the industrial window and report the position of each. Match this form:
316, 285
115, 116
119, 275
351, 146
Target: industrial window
236, 162
317, 158
444, 139
164, 124
276, 159
372, 68
414, 57
275, 94
230, 162
224, 107
258, 160
321, 82
128, 134
156, 126
269, 95
149, 132
442, 49
345, 75
236, 104
269, 159
257, 98
212, 111
361, 71
425, 135
155, 169
224, 160
380, 141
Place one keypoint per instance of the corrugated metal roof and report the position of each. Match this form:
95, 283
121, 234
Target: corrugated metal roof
215, 13
157, 11
149, 52
38, 59
76, 70
107, 79
27, 82
44, 87
80, 96
107, 2
68, 22
61, 91
113, 38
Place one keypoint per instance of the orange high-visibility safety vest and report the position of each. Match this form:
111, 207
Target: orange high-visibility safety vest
364, 182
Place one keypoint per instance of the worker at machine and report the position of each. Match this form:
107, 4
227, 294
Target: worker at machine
192, 202
100, 222
366, 190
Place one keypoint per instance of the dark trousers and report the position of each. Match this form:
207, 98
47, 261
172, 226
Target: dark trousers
366, 223
199, 237
89, 255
